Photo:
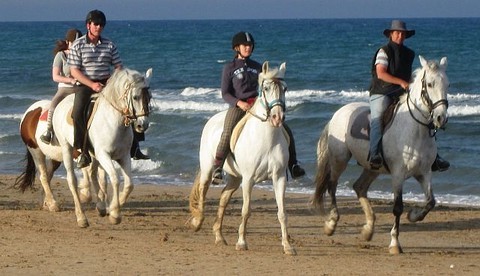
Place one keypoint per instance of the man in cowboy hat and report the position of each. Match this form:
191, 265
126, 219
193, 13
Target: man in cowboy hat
391, 72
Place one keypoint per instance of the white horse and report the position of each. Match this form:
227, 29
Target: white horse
409, 148
123, 102
260, 153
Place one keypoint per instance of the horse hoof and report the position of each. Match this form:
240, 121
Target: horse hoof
367, 234
195, 223
290, 251
115, 220
51, 207
329, 228
395, 250
101, 212
241, 247
83, 223
220, 241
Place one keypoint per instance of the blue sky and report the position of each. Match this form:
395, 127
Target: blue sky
60, 10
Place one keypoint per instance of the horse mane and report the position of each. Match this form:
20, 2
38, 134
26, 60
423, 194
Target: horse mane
120, 80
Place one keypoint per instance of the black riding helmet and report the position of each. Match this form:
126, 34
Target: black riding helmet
96, 16
244, 38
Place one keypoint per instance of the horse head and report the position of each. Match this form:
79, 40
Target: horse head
431, 83
128, 92
272, 90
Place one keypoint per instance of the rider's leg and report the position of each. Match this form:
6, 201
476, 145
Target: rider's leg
293, 167
378, 104
82, 98
233, 116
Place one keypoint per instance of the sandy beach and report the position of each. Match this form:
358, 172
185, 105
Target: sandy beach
153, 239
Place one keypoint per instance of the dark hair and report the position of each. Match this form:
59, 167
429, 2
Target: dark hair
62, 45
96, 16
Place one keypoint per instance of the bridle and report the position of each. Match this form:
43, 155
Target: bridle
280, 83
129, 112
430, 105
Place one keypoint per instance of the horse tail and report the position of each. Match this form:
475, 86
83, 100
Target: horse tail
27, 178
322, 178
197, 202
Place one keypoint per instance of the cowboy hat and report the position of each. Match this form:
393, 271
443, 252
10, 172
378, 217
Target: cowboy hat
398, 25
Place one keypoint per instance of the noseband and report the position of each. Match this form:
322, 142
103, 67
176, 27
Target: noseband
430, 105
270, 105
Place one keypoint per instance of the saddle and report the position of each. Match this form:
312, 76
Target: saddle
361, 125
237, 130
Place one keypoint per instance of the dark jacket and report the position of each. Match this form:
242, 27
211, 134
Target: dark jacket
400, 61
240, 80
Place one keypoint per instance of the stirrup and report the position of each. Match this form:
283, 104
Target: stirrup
217, 176
297, 171
83, 160
46, 137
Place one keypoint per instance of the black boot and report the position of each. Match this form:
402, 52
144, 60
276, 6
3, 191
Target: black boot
83, 160
376, 161
139, 155
296, 171
440, 164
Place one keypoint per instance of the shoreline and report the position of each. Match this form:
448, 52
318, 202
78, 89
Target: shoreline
153, 239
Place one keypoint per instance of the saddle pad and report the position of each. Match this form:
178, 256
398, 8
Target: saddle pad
239, 128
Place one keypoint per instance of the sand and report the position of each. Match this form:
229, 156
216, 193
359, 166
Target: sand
152, 238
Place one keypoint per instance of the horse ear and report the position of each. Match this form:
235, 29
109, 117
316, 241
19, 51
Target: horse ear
148, 76
265, 67
423, 61
443, 63
283, 68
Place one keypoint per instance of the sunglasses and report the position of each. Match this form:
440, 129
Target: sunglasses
98, 24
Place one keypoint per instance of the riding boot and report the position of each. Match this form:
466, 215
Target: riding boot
376, 161
136, 153
217, 175
293, 167
440, 164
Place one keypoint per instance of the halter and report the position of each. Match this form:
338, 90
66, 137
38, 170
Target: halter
269, 105
428, 102
129, 113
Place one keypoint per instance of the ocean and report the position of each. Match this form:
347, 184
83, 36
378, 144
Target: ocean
328, 65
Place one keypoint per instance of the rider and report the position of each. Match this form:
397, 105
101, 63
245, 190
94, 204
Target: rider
239, 89
61, 74
90, 59
391, 72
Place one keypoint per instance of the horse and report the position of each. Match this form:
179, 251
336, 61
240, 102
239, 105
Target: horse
408, 143
260, 153
123, 103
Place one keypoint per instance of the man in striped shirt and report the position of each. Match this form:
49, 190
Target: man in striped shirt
91, 59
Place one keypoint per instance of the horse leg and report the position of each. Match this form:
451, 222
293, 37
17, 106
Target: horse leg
361, 186
72, 185
45, 175
232, 185
126, 166
114, 215
279, 187
197, 200
100, 185
331, 182
84, 186
418, 214
394, 246
247, 186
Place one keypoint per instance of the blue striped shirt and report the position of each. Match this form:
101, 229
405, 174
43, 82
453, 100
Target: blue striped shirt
95, 61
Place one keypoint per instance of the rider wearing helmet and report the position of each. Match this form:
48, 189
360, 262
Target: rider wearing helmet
91, 75
239, 89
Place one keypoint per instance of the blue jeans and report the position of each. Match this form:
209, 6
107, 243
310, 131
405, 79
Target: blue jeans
378, 105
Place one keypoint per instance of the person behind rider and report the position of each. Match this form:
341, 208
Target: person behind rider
239, 89
391, 73
61, 74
